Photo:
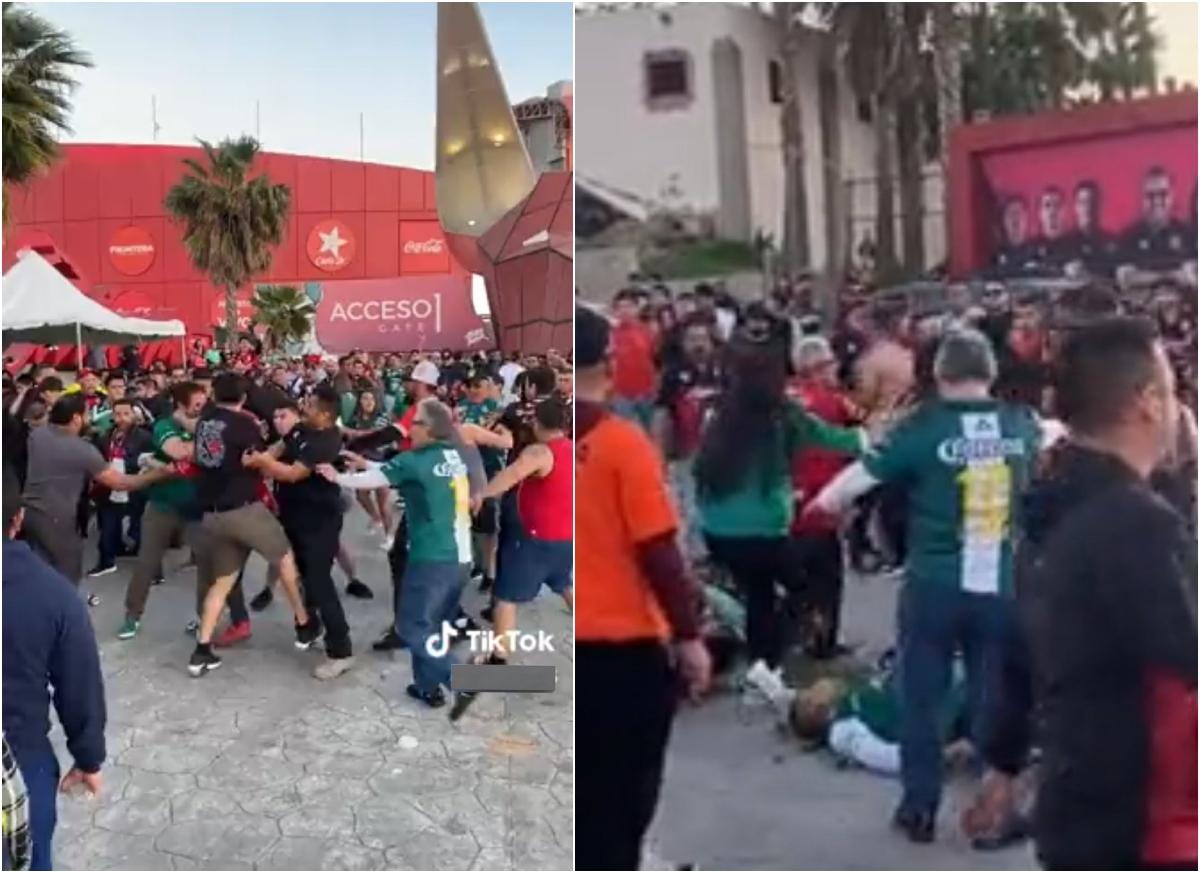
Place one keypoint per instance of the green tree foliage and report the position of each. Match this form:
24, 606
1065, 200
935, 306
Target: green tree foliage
39, 65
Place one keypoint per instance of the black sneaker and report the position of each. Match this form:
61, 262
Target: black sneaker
464, 624
433, 699
389, 642
486, 583
357, 588
307, 634
101, 570
476, 574
917, 825
203, 660
262, 600
462, 700
157, 580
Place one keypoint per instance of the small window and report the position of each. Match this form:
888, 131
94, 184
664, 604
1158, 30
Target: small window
668, 76
775, 81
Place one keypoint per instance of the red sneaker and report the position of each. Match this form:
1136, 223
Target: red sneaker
235, 633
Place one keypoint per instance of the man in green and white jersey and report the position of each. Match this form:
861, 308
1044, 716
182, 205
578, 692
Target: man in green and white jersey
963, 459
171, 507
432, 477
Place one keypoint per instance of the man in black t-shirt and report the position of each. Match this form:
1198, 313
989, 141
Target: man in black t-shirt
236, 521
532, 386
310, 508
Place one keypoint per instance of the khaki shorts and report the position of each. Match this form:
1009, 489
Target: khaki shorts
234, 534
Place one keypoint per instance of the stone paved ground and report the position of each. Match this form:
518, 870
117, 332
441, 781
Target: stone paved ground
259, 766
741, 795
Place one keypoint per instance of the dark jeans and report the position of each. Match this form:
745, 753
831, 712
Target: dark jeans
818, 557
41, 773
315, 544
935, 623
431, 594
622, 725
398, 563
758, 564
511, 530
110, 516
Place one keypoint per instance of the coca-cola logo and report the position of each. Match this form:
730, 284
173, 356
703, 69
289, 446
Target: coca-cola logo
431, 246
423, 249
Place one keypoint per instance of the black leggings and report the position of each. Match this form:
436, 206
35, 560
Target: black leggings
758, 565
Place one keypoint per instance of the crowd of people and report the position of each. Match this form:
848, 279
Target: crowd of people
1021, 460
463, 464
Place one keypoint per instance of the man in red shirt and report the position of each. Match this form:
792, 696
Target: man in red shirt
818, 547
635, 375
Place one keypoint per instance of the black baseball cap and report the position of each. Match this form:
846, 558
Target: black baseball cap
591, 337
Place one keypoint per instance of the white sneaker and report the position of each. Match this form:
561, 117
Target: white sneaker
331, 668
766, 680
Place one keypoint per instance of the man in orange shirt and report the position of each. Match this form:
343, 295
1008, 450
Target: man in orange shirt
637, 617
634, 373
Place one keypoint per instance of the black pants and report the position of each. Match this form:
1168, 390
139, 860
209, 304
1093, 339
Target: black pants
622, 723
758, 565
109, 516
314, 540
818, 557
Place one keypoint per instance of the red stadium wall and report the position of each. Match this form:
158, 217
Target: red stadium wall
101, 208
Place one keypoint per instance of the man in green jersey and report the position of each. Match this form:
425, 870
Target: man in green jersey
963, 459
170, 505
432, 479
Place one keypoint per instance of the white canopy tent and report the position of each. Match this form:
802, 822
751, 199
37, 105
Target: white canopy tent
40, 305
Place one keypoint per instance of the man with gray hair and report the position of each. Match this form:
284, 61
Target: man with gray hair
434, 480
964, 458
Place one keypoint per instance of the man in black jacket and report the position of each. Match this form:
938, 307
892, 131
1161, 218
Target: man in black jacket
1104, 583
120, 447
50, 656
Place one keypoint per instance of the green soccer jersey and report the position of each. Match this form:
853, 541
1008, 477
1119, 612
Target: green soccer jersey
479, 413
763, 505
437, 499
177, 494
875, 701
963, 463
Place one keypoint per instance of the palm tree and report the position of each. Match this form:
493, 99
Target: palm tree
232, 221
285, 311
38, 62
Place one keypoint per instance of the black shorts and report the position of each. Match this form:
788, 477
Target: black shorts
487, 520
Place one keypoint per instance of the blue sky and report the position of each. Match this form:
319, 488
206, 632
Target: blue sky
313, 67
